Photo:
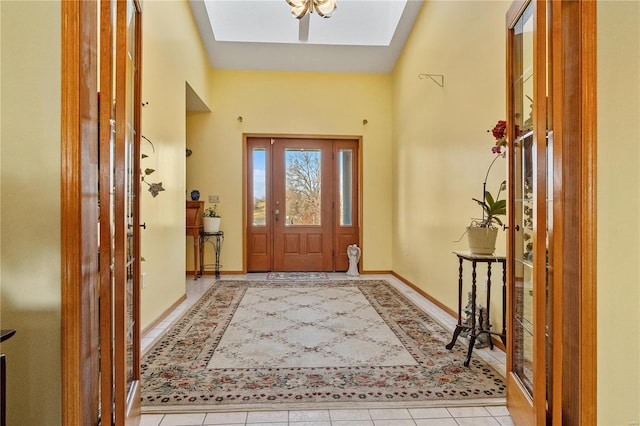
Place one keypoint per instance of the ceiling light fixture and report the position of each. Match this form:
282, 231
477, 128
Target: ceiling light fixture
324, 8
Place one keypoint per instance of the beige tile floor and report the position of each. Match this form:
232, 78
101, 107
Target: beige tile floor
455, 415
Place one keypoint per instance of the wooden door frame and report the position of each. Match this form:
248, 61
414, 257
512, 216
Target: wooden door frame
81, 281
575, 213
79, 196
574, 86
106, 296
245, 171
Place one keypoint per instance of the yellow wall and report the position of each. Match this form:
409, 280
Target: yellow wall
441, 146
172, 56
293, 103
618, 213
30, 204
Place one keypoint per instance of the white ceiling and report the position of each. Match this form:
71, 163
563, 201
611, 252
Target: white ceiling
360, 36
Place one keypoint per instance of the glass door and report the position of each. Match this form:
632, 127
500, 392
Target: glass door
131, 168
303, 205
119, 218
528, 345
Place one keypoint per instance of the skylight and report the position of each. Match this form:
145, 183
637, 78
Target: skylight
354, 23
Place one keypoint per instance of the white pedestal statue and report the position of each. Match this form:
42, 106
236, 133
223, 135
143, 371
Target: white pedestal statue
353, 252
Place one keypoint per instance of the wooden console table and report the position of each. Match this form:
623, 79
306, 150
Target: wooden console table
194, 229
476, 329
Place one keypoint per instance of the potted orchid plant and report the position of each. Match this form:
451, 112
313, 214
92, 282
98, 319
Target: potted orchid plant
482, 233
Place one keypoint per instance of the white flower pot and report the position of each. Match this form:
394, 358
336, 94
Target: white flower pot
482, 240
211, 224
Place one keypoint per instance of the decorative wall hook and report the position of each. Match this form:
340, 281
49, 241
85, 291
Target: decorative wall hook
365, 121
239, 119
433, 78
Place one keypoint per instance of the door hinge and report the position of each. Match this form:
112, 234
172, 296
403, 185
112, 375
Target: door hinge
273, 141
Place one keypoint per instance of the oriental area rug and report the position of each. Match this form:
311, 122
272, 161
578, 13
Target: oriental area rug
255, 345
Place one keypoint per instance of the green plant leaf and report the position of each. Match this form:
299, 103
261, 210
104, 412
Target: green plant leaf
488, 197
484, 205
499, 207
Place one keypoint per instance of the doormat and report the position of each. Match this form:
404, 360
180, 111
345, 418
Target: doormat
255, 345
297, 276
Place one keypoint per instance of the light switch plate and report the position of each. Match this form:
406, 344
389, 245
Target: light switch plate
214, 198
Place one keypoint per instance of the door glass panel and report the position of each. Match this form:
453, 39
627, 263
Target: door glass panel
345, 160
523, 266
129, 189
302, 187
524, 35
258, 212
527, 198
549, 216
523, 178
549, 257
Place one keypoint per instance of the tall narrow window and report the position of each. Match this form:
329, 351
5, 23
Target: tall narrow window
259, 187
345, 162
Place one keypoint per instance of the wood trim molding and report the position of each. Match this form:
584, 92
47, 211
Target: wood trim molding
519, 404
299, 136
79, 215
540, 222
558, 223
588, 80
575, 215
106, 299
374, 272
424, 294
163, 315
245, 231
